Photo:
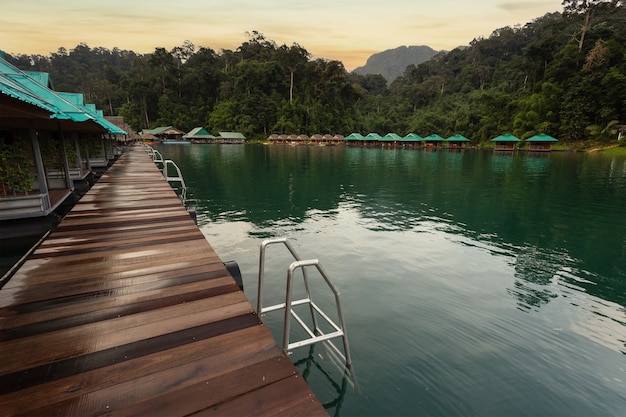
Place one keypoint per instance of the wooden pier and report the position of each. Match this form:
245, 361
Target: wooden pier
126, 309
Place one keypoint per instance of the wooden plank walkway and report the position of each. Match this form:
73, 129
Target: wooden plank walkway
126, 309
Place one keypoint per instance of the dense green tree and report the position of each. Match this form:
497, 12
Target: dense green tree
562, 73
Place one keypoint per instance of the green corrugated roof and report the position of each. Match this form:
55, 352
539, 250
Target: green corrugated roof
541, 137
42, 78
231, 135
98, 116
198, 133
391, 136
507, 137
354, 136
157, 130
15, 90
65, 110
372, 136
457, 138
433, 138
412, 137
33, 88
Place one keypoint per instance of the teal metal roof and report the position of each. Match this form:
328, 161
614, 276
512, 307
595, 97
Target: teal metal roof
507, 137
198, 132
541, 137
231, 135
42, 78
65, 110
163, 129
354, 136
391, 137
11, 88
372, 136
33, 88
434, 138
412, 137
97, 115
457, 138
156, 130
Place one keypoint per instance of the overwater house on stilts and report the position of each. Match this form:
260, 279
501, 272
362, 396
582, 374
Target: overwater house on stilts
391, 140
506, 142
302, 138
199, 135
48, 141
166, 134
540, 143
327, 139
412, 139
230, 137
457, 142
354, 139
372, 139
316, 139
433, 141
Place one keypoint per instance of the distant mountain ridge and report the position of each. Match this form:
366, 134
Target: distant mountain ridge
392, 62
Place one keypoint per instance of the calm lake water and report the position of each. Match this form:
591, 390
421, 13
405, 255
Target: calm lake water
473, 284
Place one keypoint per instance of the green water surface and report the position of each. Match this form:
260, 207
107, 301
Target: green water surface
473, 283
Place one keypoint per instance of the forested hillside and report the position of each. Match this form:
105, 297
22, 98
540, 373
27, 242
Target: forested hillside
563, 74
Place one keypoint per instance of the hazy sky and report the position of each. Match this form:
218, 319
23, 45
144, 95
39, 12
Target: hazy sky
346, 30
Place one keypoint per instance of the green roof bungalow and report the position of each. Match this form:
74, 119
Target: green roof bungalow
372, 139
354, 139
199, 135
505, 142
390, 139
35, 122
412, 139
457, 142
540, 143
433, 141
166, 134
230, 137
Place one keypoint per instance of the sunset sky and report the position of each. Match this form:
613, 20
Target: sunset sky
349, 31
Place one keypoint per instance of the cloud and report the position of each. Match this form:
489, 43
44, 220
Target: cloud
521, 6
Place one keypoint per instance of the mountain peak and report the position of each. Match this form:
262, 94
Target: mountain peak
393, 62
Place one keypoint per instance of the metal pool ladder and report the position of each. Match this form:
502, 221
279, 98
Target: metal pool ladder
177, 181
316, 334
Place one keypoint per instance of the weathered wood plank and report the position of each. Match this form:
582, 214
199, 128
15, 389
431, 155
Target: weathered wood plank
126, 309
54, 346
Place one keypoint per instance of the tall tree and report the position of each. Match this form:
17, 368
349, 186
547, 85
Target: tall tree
292, 58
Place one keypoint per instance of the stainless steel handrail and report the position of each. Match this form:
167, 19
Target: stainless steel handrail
316, 334
178, 178
163, 167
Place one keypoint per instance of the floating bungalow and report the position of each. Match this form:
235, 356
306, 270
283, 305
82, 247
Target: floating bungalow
506, 142
303, 138
457, 142
540, 143
356, 139
412, 139
199, 135
230, 137
372, 139
166, 134
433, 141
391, 139
49, 140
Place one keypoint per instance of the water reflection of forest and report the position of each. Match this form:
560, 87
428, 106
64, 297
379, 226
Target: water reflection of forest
562, 204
